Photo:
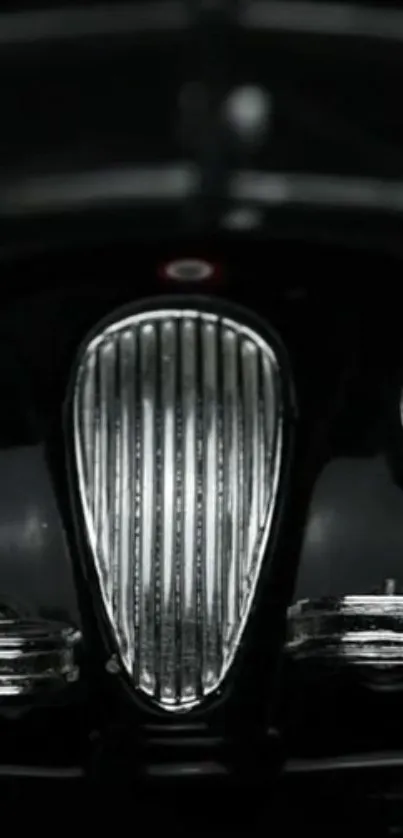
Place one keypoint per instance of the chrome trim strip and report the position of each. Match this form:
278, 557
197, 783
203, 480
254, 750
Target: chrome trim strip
323, 19
314, 190
345, 20
44, 26
174, 184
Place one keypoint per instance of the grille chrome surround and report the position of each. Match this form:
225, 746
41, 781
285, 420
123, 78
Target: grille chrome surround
178, 422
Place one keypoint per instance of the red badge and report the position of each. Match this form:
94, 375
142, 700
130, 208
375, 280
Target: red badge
189, 270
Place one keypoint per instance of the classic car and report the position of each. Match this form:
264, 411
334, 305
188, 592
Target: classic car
201, 442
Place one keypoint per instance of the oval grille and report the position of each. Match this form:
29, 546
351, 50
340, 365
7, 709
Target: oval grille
178, 424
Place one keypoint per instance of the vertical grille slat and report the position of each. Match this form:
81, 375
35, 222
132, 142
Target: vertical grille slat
107, 448
147, 538
114, 478
189, 470
231, 448
95, 488
178, 443
219, 558
168, 570
125, 607
250, 360
261, 444
247, 443
270, 425
210, 489
136, 499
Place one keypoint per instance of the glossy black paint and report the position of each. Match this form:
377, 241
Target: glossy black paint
35, 567
338, 311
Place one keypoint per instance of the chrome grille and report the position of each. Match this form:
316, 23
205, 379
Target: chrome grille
178, 426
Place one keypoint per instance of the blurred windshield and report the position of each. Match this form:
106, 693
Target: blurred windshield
264, 103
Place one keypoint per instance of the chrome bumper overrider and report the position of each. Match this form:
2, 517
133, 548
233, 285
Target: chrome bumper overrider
178, 417
36, 657
364, 631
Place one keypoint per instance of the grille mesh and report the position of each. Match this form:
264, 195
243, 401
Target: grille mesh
178, 438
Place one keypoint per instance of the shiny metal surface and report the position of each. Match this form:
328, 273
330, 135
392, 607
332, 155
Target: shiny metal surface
178, 430
35, 656
359, 630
